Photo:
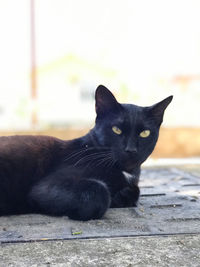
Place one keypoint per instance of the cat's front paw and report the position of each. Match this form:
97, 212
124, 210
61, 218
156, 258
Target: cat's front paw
127, 197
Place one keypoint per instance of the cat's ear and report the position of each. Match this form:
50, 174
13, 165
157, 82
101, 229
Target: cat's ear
105, 102
157, 110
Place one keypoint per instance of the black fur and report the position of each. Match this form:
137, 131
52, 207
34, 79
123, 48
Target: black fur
80, 178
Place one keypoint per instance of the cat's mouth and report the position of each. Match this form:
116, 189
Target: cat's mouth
129, 165
127, 162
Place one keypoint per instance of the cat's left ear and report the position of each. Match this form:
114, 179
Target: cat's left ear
157, 110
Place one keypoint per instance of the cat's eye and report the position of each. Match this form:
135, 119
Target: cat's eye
116, 130
145, 133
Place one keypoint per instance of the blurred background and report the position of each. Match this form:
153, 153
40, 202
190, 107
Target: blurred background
54, 53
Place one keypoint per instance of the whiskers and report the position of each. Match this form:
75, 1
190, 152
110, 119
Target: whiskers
93, 157
77, 153
103, 160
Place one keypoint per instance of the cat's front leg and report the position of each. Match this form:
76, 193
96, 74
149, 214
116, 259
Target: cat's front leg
65, 193
127, 197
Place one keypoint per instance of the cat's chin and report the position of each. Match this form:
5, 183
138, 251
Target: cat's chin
129, 167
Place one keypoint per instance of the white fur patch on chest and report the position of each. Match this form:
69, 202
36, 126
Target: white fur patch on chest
130, 178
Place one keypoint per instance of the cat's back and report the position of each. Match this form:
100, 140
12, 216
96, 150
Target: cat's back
23, 154
27, 140
27, 147
23, 143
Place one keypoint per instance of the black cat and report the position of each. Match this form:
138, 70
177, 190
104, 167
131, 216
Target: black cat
81, 178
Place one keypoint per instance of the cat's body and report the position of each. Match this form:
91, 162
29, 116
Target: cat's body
80, 178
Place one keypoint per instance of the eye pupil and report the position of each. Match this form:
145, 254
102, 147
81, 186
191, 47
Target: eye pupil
145, 133
116, 130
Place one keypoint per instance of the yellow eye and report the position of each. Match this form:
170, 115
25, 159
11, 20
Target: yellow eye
116, 130
145, 133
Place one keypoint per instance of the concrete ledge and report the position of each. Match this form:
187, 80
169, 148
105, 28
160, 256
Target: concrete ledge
146, 251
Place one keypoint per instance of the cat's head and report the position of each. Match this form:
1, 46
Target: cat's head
130, 131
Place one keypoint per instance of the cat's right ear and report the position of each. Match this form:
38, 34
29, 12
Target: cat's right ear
157, 110
105, 102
